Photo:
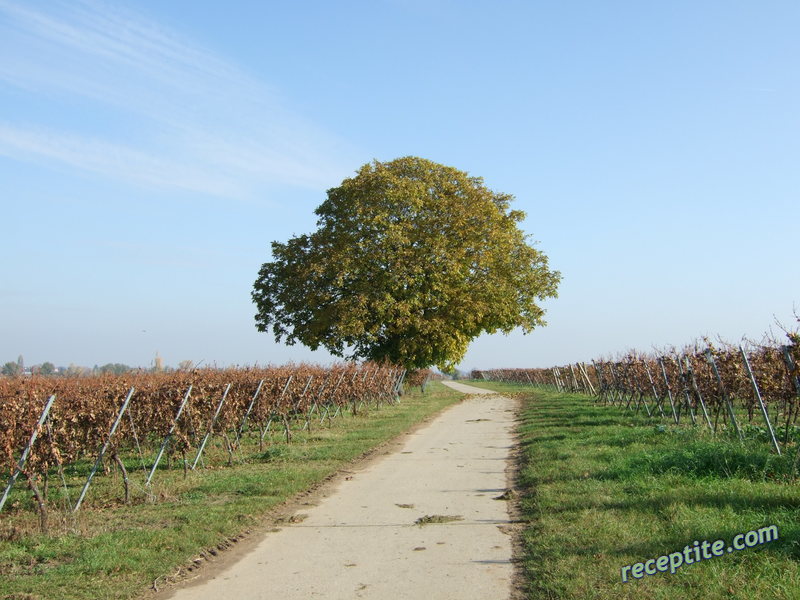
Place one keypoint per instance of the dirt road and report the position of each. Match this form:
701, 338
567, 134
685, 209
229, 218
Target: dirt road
362, 541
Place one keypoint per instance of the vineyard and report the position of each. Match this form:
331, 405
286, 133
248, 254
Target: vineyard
748, 392
168, 420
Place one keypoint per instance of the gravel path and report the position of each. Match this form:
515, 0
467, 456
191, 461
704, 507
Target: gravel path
362, 541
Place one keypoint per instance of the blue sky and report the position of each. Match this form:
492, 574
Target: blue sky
151, 151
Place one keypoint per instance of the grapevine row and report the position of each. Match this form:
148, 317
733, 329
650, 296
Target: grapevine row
175, 414
718, 386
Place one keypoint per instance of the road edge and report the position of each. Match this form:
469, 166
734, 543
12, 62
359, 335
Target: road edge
211, 561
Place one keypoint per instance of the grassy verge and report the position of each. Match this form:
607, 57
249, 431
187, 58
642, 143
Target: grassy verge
112, 550
603, 488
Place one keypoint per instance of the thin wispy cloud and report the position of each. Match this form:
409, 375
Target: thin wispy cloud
113, 160
129, 99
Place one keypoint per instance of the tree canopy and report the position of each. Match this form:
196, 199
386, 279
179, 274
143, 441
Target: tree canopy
11, 369
411, 260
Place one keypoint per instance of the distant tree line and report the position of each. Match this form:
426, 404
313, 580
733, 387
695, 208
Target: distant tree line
17, 368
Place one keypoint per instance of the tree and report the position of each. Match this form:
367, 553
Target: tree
457, 374
11, 369
74, 370
411, 260
47, 368
115, 368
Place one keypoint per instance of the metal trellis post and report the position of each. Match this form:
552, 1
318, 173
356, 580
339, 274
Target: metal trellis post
760, 399
211, 426
169, 435
22, 459
103, 450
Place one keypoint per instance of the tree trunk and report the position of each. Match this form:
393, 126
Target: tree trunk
229, 448
125, 482
288, 431
40, 502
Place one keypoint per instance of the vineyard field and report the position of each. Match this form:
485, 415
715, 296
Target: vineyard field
183, 519
55, 428
602, 488
746, 390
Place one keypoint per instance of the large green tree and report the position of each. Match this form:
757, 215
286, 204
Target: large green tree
411, 260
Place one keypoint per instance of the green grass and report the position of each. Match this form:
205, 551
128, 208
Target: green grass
110, 550
603, 488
